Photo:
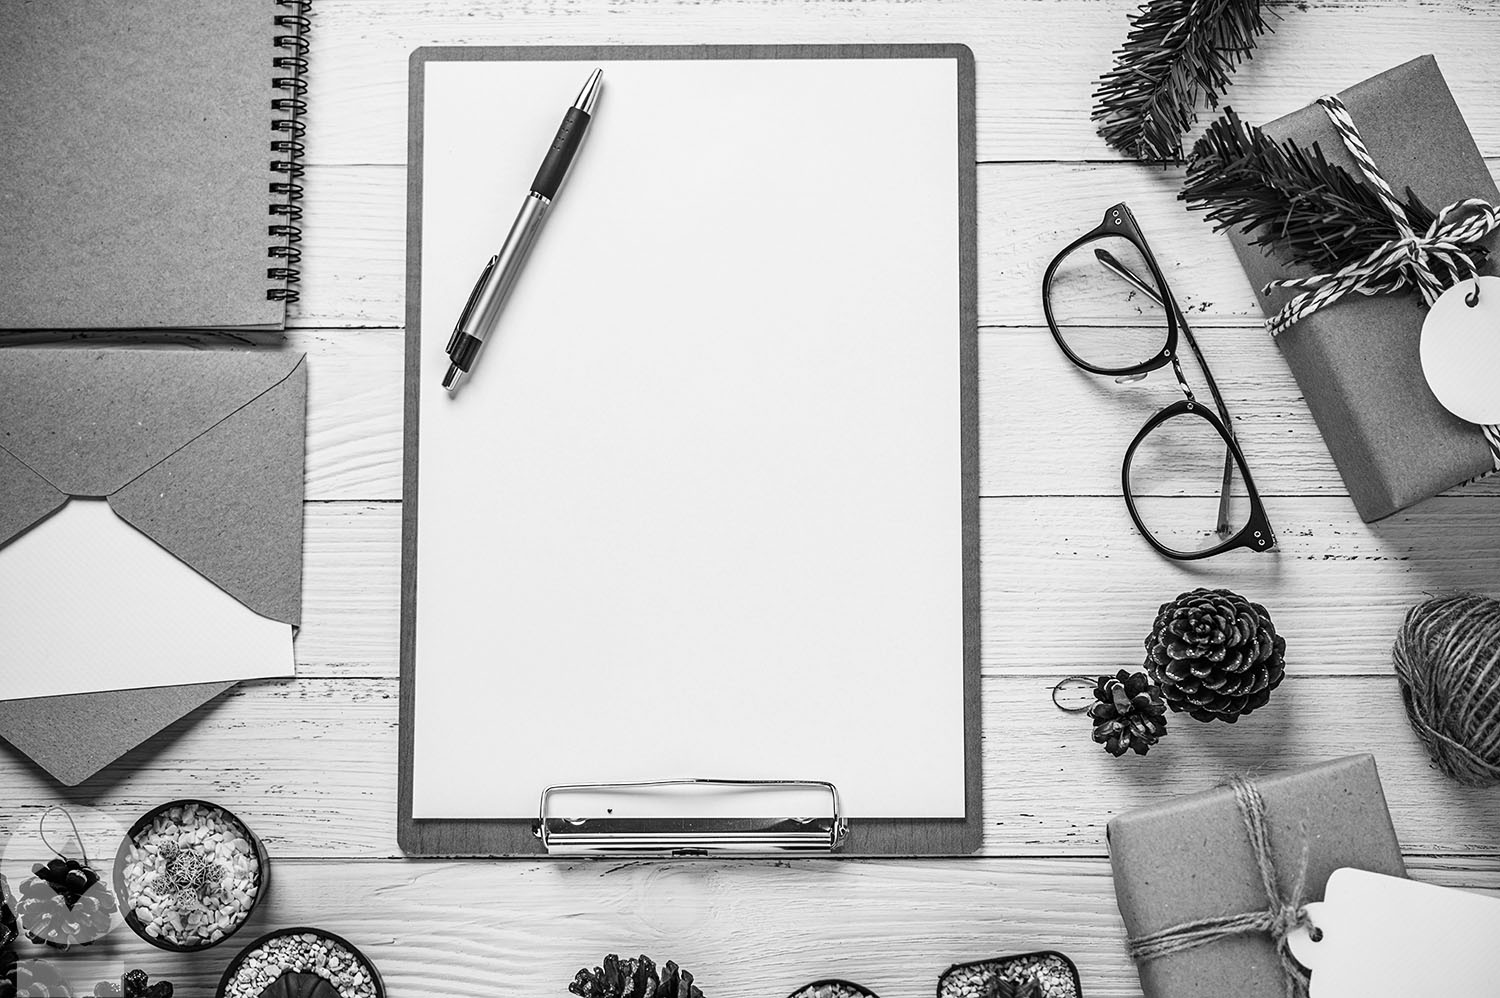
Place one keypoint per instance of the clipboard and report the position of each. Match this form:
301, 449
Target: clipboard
540, 831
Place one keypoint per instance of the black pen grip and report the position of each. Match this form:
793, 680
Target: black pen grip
560, 153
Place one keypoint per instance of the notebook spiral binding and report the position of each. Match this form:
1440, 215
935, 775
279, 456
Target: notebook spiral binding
291, 79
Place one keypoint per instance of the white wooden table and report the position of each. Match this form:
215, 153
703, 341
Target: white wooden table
1067, 587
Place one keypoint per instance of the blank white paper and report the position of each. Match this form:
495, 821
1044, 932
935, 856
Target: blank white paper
697, 512
88, 604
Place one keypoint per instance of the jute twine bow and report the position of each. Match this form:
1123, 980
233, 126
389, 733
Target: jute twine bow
1431, 262
1283, 914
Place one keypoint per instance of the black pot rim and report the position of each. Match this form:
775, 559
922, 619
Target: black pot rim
824, 982
127, 910
297, 930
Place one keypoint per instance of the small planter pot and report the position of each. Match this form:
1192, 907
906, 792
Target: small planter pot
833, 988
189, 875
1053, 974
297, 954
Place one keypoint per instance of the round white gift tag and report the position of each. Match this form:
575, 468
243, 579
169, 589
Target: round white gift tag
1461, 350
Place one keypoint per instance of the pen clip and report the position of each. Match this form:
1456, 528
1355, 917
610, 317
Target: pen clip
464, 316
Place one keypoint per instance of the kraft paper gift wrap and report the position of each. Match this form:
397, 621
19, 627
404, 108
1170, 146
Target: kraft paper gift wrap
1191, 858
1357, 361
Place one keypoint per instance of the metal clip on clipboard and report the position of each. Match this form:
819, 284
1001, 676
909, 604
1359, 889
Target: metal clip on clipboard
607, 834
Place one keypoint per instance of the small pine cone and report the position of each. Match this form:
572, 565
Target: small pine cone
138, 985
29, 978
636, 978
8, 928
1215, 654
64, 905
1128, 713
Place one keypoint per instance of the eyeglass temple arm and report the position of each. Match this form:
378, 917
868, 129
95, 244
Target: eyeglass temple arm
1119, 269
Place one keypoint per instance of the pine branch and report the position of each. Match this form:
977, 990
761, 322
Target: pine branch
1312, 211
1176, 52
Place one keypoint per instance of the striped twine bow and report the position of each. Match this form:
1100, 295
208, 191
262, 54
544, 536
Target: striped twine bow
1431, 262
1283, 914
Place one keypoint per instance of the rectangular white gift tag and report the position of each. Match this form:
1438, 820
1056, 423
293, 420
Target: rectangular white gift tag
1383, 936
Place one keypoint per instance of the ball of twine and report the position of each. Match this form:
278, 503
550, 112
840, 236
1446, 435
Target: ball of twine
1447, 658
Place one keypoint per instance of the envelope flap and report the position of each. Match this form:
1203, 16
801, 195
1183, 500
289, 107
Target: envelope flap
25, 496
73, 737
89, 422
229, 503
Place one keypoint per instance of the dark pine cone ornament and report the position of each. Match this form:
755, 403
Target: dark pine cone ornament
1215, 654
64, 904
136, 984
8, 929
29, 978
1128, 713
634, 979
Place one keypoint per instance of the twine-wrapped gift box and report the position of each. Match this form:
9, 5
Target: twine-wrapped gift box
1357, 361
1191, 859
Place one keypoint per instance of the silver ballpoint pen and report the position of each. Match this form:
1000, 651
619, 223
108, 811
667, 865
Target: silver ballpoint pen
499, 275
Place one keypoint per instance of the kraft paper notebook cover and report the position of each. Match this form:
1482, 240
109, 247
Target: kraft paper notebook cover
707, 506
150, 174
197, 456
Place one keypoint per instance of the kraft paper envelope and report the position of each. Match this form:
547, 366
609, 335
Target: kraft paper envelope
199, 451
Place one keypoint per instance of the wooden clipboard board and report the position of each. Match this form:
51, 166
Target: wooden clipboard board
505, 837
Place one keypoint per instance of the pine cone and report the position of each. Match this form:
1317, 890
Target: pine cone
1215, 654
8, 929
1129, 714
64, 904
135, 984
29, 978
138, 985
634, 979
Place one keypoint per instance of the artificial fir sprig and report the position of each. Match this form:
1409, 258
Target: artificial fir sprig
1176, 52
1314, 212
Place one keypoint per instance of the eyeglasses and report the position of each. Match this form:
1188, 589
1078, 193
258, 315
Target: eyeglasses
1184, 477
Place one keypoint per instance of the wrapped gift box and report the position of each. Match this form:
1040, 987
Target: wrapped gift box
1191, 858
1357, 361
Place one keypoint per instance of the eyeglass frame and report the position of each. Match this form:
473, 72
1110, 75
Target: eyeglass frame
1256, 535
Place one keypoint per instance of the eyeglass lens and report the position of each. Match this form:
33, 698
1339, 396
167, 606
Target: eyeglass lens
1107, 320
1177, 482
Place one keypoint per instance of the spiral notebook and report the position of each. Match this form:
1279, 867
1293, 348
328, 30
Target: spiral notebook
152, 163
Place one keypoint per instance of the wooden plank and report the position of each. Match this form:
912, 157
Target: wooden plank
1065, 583
1032, 105
311, 765
354, 269
1031, 401
1069, 582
